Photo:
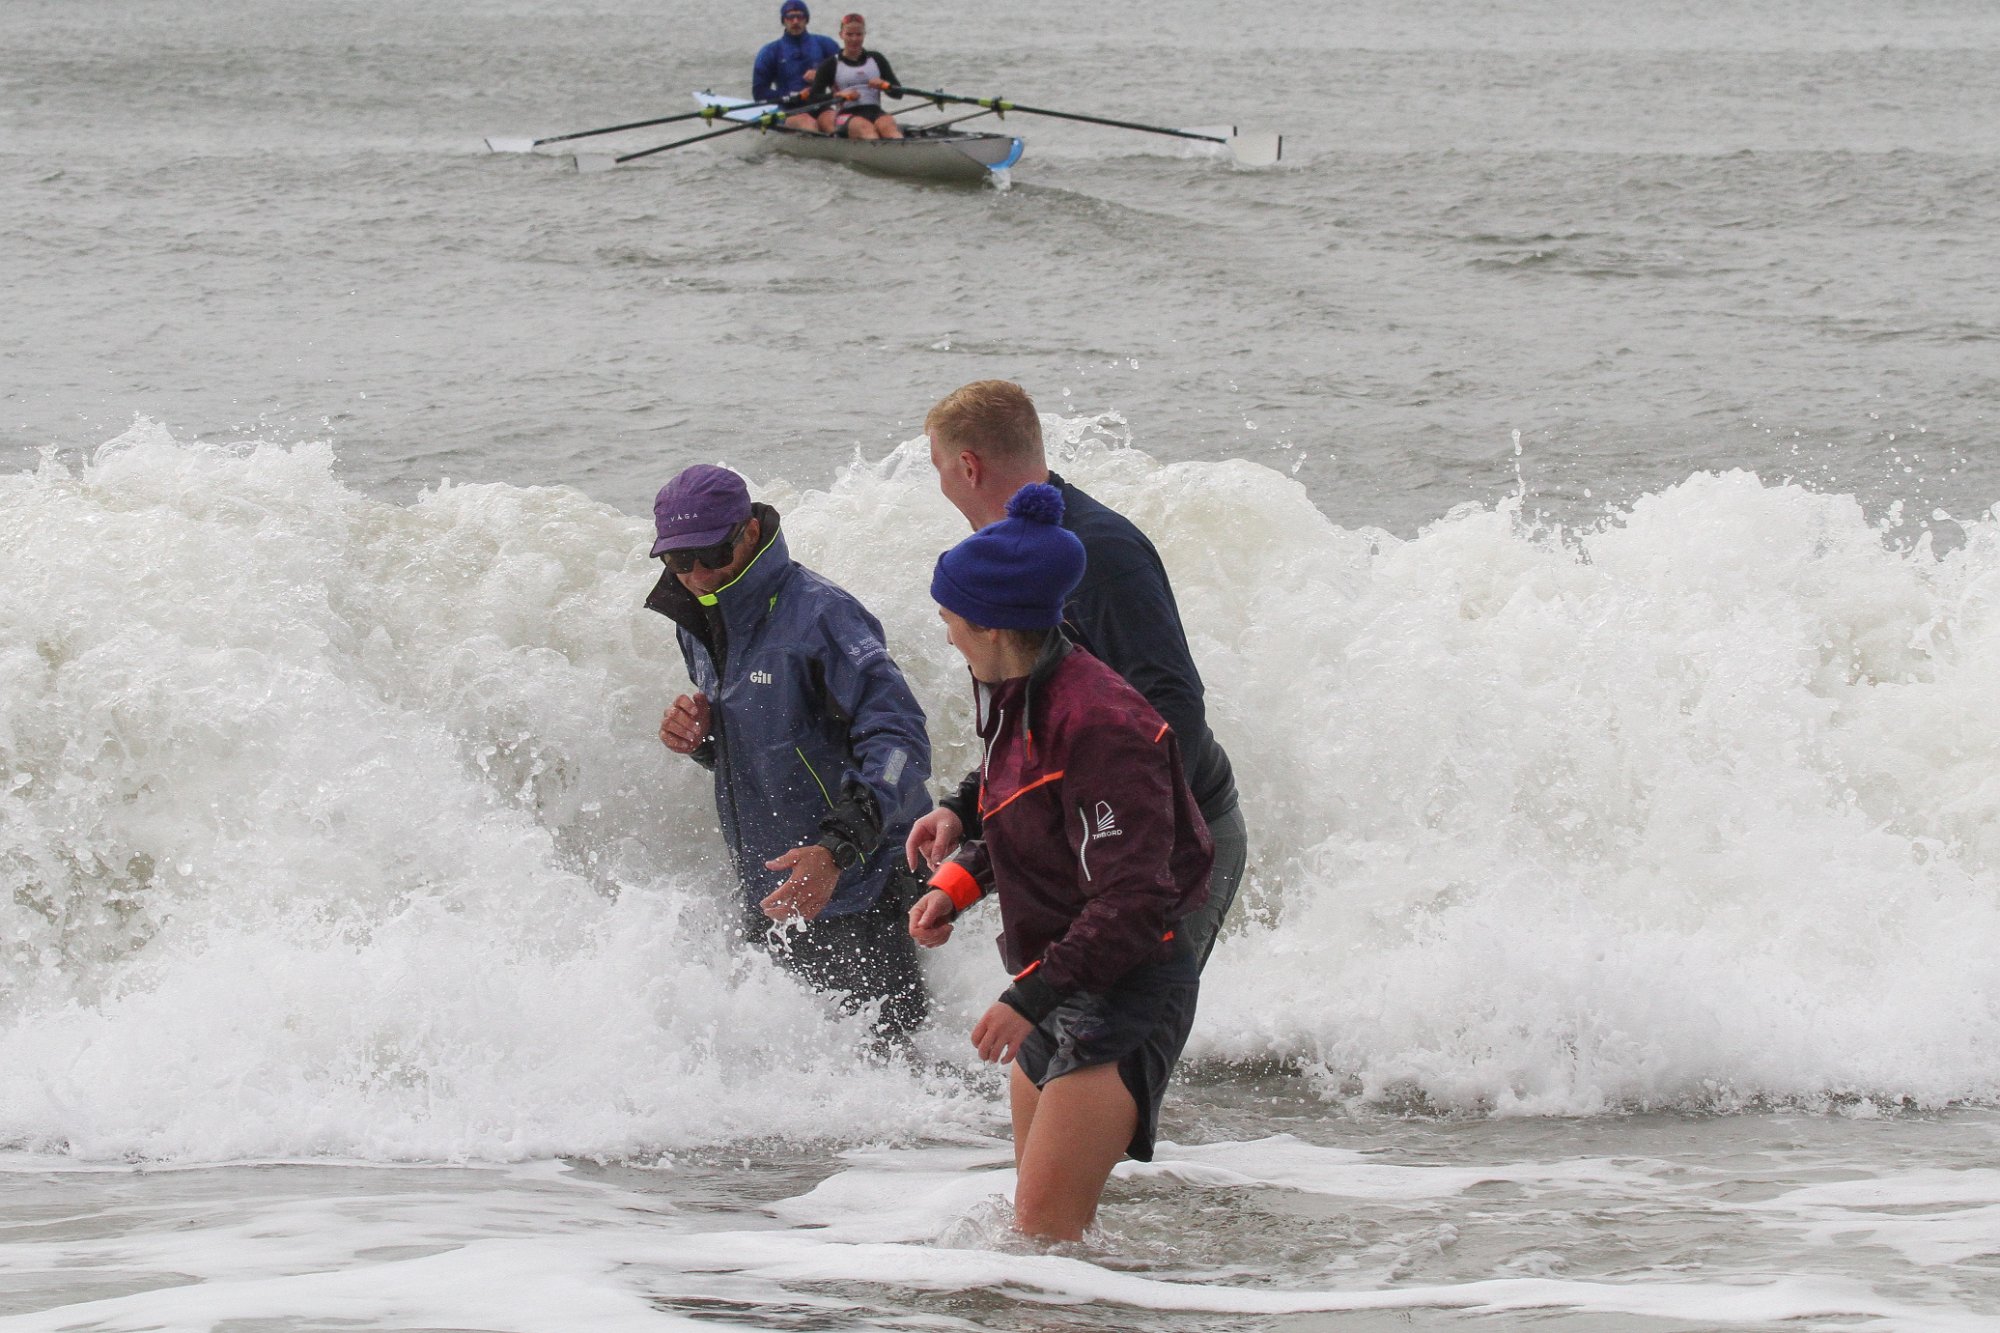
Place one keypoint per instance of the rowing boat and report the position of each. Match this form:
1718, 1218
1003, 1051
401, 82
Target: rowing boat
937, 153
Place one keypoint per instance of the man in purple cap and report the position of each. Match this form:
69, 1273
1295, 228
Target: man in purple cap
785, 65
818, 748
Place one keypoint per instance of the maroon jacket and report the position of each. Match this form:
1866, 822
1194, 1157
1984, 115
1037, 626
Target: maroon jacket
1091, 836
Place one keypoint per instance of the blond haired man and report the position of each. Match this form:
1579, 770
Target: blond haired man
986, 443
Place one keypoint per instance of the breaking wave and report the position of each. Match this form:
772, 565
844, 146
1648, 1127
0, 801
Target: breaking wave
330, 825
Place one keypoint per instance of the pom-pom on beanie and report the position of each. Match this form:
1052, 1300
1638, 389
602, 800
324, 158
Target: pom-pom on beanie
1017, 573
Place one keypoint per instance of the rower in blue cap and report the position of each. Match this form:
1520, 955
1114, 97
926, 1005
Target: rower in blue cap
784, 68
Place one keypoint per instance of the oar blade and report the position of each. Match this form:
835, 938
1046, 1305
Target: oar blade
498, 145
588, 162
1257, 148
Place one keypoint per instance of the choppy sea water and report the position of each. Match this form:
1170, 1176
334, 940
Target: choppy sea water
1650, 239
1650, 1223
1575, 467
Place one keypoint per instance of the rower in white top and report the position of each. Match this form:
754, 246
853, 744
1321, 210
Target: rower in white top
858, 77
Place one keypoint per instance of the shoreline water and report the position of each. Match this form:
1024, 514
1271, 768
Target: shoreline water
1753, 1221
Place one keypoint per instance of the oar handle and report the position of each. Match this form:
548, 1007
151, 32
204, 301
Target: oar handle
1002, 106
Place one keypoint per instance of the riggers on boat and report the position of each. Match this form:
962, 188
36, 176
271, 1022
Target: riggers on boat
937, 153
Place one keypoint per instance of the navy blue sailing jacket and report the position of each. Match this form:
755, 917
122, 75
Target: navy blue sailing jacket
785, 65
816, 736
1124, 613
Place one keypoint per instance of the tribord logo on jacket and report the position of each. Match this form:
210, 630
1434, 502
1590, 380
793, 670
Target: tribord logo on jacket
1072, 766
1107, 822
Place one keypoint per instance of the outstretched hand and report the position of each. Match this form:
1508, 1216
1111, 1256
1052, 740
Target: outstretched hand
808, 889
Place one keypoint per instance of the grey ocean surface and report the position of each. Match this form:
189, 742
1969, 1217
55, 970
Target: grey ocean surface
1650, 239
1547, 260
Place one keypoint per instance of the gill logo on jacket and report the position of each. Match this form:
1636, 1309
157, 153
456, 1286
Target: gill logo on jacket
760, 678
1105, 825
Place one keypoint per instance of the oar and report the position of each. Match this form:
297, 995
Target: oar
530, 145
954, 120
1259, 148
605, 161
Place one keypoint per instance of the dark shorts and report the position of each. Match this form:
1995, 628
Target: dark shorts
867, 113
864, 957
1140, 1024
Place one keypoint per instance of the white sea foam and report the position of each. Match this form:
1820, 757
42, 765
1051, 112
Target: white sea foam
1699, 807
336, 826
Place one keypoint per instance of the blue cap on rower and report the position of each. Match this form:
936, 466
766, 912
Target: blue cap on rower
794, 7
699, 507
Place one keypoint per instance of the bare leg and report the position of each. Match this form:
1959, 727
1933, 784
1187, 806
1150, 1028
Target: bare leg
887, 128
801, 121
1022, 1097
826, 118
1077, 1129
860, 127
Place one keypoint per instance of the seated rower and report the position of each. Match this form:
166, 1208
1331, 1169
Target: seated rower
858, 77
785, 66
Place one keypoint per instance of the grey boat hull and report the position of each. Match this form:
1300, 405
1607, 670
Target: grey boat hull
922, 154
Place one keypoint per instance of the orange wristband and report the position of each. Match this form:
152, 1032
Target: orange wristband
958, 885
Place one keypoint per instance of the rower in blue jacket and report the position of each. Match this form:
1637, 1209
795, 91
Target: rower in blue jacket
817, 745
785, 66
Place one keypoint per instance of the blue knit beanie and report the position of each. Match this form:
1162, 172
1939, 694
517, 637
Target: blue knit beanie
1017, 573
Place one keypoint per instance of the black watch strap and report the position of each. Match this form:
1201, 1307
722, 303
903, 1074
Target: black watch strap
845, 854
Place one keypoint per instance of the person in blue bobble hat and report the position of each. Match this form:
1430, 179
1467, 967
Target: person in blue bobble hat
1095, 848
986, 444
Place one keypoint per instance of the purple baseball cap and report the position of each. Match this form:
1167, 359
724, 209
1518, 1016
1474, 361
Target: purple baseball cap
698, 508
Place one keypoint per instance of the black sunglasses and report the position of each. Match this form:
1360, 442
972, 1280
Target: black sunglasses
716, 556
